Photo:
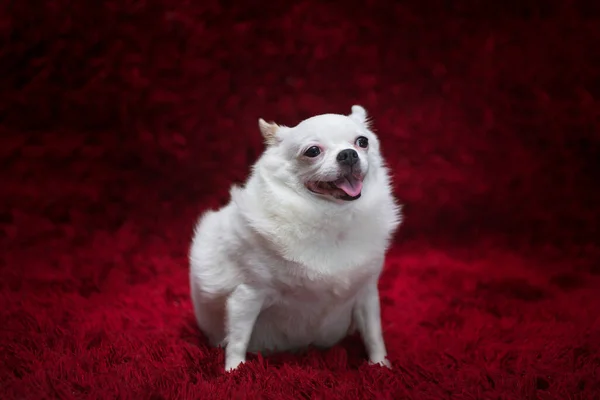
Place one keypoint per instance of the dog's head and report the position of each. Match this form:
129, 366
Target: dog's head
328, 155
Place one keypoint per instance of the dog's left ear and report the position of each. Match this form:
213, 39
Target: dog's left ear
359, 114
268, 131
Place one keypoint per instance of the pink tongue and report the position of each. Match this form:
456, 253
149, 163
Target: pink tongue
350, 185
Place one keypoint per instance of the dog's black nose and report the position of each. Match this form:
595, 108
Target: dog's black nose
347, 157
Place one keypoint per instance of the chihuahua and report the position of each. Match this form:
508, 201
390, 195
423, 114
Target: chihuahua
293, 260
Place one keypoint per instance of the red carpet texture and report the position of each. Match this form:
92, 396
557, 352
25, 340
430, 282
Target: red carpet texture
122, 120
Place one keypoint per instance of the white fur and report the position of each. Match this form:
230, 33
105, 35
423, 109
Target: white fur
280, 268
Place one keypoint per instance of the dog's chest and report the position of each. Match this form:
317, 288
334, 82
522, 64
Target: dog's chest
298, 282
334, 255
332, 265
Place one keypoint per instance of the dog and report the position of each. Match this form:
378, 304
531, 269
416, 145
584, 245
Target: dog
293, 260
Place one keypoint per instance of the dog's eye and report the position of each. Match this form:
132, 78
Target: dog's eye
312, 152
362, 142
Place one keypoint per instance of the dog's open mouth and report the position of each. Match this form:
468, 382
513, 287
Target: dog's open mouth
347, 187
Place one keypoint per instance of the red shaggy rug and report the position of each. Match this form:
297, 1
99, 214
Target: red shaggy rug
121, 121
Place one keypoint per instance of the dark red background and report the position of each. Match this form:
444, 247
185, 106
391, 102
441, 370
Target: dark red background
122, 120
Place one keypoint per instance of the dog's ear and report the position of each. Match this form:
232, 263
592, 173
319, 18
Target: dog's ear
359, 114
268, 131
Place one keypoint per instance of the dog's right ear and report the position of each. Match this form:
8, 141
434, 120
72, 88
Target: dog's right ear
268, 131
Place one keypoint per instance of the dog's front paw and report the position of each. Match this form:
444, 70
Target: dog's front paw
382, 362
232, 363
230, 367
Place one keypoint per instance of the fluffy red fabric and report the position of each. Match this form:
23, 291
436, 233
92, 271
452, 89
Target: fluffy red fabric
123, 120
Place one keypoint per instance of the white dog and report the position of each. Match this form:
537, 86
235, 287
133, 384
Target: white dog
294, 259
